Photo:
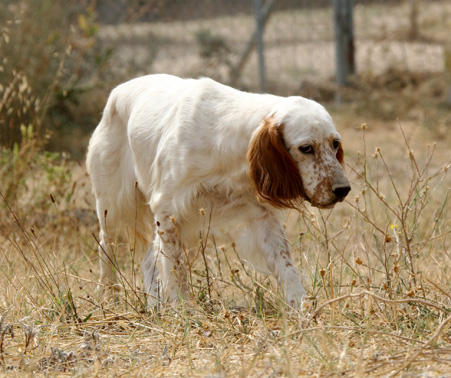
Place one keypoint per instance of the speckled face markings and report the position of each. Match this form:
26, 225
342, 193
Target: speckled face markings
314, 143
320, 172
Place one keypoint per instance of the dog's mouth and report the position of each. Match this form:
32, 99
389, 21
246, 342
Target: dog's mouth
328, 205
325, 205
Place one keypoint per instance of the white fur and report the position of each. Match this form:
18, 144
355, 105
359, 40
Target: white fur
167, 146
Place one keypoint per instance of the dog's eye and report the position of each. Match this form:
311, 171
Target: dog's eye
307, 149
335, 144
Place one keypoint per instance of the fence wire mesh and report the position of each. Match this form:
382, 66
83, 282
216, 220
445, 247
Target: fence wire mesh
58, 57
210, 38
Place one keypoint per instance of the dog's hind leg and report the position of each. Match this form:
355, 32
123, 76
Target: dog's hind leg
152, 282
106, 246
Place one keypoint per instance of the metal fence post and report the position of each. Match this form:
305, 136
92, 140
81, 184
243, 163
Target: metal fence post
344, 40
261, 56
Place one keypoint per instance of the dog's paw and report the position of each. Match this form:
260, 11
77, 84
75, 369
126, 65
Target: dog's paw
295, 296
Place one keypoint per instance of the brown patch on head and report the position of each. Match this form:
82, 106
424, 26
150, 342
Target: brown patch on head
340, 155
271, 168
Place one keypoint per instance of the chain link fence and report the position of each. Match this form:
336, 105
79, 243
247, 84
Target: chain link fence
59, 60
211, 38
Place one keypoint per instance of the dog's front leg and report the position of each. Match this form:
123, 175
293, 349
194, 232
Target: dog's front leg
264, 243
170, 259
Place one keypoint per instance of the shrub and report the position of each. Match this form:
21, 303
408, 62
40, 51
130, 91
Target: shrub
30, 178
49, 58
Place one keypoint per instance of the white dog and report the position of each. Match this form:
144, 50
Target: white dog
167, 147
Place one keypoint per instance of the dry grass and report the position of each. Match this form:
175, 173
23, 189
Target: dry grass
377, 269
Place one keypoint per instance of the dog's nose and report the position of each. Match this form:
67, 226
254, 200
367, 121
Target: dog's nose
341, 191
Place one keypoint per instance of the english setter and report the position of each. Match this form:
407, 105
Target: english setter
167, 147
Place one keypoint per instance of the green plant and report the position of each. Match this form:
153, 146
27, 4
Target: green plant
49, 55
30, 176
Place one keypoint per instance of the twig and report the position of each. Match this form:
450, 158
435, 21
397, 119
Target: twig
392, 301
113, 262
432, 339
374, 190
438, 287
202, 250
152, 329
355, 329
4, 330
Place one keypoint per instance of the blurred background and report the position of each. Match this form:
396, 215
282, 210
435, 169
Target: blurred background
59, 59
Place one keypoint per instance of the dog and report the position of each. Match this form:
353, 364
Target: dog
167, 147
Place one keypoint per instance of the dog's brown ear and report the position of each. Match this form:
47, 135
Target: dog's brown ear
340, 155
272, 169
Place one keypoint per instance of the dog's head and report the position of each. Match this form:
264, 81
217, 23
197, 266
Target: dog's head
296, 155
